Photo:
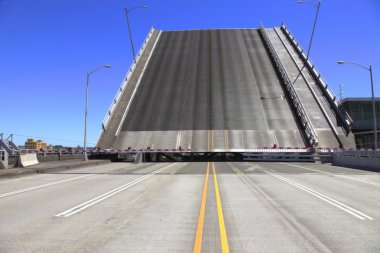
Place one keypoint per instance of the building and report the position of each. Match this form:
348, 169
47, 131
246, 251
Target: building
361, 111
35, 145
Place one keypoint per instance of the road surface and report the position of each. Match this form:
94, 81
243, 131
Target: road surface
202, 80
192, 207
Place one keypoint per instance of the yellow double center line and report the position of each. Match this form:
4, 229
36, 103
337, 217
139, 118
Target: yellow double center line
198, 238
222, 227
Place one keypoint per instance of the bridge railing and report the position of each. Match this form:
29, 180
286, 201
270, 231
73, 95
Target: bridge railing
297, 104
125, 82
367, 153
52, 152
8, 146
321, 82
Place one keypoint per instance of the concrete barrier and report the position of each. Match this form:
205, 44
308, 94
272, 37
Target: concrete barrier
12, 161
71, 157
26, 160
48, 158
138, 158
3, 160
3, 164
363, 163
58, 157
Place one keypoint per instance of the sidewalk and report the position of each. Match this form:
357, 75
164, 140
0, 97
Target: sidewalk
44, 167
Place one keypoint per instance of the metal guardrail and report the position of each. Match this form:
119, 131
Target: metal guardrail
312, 136
51, 152
8, 147
259, 154
125, 81
367, 153
307, 82
331, 98
288, 157
166, 150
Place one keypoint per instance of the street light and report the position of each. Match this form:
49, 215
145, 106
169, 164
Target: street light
312, 33
315, 21
373, 97
129, 26
85, 158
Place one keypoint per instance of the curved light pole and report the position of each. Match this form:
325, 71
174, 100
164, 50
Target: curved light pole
312, 33
315, 21
373, 97
85, 158
129, 26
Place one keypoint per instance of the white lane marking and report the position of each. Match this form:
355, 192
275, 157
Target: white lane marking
179, 135
334, 175
42, 186
323, 197
109, 194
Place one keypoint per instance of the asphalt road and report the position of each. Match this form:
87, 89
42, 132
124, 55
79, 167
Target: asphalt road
210, 79
199, 207
201, 80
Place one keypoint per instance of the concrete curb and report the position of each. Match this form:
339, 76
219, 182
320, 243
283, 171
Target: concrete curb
45, 168
70, 166
12, 172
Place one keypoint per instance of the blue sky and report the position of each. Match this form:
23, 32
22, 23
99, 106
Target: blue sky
47, 46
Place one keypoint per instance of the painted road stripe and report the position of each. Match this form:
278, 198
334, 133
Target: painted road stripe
222, 227
226, 141
334, 175
210, 139
199, 234
239, 173
323, 197
109, 194
42, 186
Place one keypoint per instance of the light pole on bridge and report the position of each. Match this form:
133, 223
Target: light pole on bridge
312, 33
315, 22
373, 98
85, 157
129, 26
